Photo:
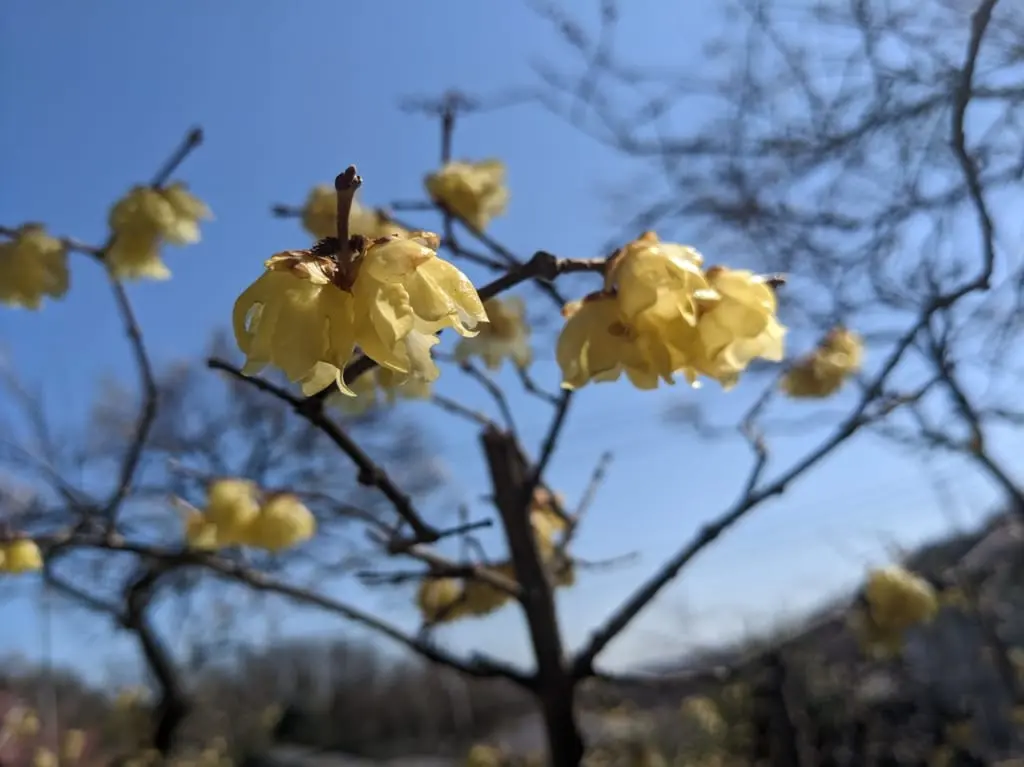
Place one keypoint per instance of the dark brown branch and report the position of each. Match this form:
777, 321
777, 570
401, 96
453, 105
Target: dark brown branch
370, 474
555, 686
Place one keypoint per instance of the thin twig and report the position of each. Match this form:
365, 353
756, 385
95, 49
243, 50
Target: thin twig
370, 474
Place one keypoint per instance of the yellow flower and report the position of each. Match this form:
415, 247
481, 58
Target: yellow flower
596, 344
439, 599
656, 282
21, 556
283, 522
739, 326
44, 757
703, 711
506, 335
143, 220
21, 721
475, 192
403, 295
547, 523
231, 506
896, 600
320, 217
481, 598
73, 745
32, 265
297, 319
823, 372
372, 383
200, 532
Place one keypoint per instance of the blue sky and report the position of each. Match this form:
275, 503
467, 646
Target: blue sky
95, 95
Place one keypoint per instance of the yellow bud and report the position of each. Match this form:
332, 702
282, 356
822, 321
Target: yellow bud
200, 532
21, 556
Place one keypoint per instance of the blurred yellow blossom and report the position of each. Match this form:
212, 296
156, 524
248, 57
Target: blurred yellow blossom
73, 746
894, 601
482, 755
823, 372
283, 522
231, 506
143, 220
379, 381
439, 599
475, 192
481, 598
200, 532
33, 264
21, 555
320, 217
44, 757
21, 721
507, 335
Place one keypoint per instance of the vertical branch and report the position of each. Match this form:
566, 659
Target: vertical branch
173, 706
554, 684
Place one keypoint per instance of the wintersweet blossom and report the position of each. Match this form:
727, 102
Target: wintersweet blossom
306, 313
403, 295
146, 218
661, 314
823, 372
894, 600
20, 555
506, 336
481, 598
475, 192
297, 318
33, 264
320, 217
376, 387
231, 507
440, 599
283, 522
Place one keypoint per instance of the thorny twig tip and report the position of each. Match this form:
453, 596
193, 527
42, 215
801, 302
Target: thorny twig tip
195, 137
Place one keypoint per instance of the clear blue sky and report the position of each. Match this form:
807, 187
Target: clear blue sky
289, 93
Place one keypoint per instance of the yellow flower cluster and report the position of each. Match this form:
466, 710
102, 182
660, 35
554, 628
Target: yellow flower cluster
33, 264
475, 192
305, 314
236, 515
146, 218
21, 555
661, 313
443, 600
379, 386
320, 217
895, 601
823, 372
507, 335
